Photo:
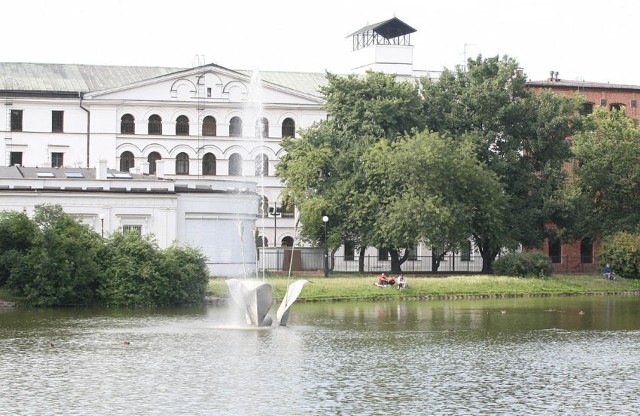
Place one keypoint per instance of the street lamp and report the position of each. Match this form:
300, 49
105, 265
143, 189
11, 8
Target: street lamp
275, 211
102, 224
325, 220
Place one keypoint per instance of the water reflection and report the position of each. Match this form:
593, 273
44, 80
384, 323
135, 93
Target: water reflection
506, 356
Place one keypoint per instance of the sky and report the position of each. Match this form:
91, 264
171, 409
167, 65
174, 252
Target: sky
584, 40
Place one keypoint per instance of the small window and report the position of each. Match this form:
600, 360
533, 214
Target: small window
132, 228
634, 103
235, 165
16, 120
155, 125
127, 161
182, 126
182, 164
235, 127
262, 128
208, 92
288, 128
57, 121
262, 166
209, 164
349, 251
57, 160
587, 108
209, 126
383, 254
127, 124
555, 250
15, 159
586, 250
152, 159
603, 102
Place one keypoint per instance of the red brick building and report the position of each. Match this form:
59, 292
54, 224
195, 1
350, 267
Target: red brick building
582, 255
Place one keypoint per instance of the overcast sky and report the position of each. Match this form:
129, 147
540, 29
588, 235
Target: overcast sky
581, 39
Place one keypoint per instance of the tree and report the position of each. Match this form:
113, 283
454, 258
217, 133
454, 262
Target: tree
323, 169
519, 136
17, 233
605, 175
60, 267
430, 189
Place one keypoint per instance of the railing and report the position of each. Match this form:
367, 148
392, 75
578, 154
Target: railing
310, 260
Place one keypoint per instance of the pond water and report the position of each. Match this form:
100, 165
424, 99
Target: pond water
570, 355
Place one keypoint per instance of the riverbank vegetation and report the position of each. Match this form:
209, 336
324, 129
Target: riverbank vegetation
343, 287
53, 260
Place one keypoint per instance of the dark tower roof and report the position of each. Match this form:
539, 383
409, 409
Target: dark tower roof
390, 32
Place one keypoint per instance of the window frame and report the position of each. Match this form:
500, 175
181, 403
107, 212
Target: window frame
57, 121
16, 120
57, 159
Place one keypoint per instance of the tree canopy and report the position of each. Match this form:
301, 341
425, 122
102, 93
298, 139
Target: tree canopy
492, 173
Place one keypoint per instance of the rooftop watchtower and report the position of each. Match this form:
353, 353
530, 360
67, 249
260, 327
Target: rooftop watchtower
385, 47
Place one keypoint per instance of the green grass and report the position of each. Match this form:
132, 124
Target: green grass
362, 288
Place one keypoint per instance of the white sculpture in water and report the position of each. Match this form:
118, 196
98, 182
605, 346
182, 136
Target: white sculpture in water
256, 297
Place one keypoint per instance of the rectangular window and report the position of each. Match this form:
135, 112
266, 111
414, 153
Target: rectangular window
57, 118
555, 250
15, 158
132, 228
16, 120
465, 252
209, 92
603, 102
57, 160
349, 251
634, 103
383, 254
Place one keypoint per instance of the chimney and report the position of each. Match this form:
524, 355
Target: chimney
101, 169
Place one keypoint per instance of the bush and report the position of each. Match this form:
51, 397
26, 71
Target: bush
523, 265
622, 252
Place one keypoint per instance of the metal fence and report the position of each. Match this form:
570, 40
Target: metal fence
283, 259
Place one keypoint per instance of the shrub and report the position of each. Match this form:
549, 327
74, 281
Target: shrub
622, 252
523, 265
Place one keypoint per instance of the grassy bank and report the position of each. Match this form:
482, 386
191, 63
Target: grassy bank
362, 288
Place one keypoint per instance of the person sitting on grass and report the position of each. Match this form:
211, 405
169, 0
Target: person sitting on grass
382, 280
392, 281
402, 282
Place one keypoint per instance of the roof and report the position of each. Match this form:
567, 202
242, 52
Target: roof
73, 78
561, 83
388, 29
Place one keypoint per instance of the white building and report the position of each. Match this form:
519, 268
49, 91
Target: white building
208, 137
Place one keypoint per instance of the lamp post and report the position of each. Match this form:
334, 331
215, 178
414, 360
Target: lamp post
275, 212
102, 224
325, 220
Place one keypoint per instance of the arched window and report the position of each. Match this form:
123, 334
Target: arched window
262, 165
152, 159
262, 128
287, 242
182, 126
209, 126
288, 128
209, 164
235, 165
127, 124
182, 164
126, 161
155, 124
235, 127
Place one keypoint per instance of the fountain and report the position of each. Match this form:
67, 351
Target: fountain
255, 296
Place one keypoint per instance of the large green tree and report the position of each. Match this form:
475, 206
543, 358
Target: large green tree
323, 168
518, 135
605, 180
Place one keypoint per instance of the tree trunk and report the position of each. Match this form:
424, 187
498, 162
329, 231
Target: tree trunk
396, 260
361, 259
